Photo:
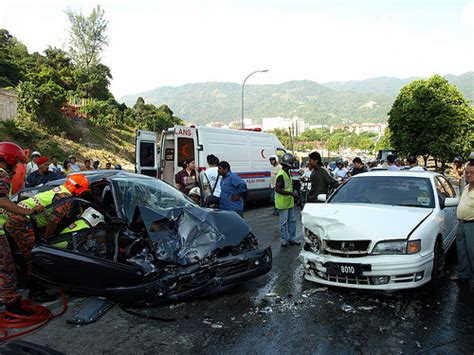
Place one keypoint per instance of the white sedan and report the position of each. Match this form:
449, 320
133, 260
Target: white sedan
382, 230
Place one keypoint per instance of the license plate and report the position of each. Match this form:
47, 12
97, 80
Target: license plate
343, 269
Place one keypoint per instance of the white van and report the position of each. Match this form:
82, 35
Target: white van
247, 152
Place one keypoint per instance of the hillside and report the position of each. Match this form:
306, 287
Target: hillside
335, 102
391, 86
113, 145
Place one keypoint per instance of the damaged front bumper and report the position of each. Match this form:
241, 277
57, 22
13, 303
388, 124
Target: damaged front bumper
199, 279
381, 272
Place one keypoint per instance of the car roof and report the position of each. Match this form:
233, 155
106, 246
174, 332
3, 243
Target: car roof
97, 175
399, 173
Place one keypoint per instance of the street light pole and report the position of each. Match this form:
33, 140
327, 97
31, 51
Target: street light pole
243, 86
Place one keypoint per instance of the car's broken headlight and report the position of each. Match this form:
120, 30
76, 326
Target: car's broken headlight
312, 241
397, 247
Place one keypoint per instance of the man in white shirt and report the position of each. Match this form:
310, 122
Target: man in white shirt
391, 163
54, 166
340, 170
213, 176
32, 166
465, 236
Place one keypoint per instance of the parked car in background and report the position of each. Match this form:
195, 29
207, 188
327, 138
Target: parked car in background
382, 230
155, 246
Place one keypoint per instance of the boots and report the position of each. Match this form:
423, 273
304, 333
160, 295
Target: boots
16, 308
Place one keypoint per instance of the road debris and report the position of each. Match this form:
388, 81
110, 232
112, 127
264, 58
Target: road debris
348, 308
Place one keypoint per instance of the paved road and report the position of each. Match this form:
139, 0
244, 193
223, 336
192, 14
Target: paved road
281, 313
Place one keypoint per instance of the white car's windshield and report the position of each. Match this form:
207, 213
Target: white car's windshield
387, 190
152, 193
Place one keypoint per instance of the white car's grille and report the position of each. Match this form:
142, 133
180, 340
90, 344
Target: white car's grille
347, 248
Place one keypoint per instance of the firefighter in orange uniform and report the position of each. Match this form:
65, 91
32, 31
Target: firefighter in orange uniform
10, 156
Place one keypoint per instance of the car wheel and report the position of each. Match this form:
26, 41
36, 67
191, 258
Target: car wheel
437, 271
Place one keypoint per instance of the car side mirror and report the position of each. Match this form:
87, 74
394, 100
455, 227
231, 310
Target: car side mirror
451, 202
322, 197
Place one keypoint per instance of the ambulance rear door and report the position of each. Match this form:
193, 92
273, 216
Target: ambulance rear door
146, 153
185, 140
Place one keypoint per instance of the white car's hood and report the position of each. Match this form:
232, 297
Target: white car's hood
333, 221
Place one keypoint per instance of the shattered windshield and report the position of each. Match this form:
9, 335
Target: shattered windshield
151, 193
387, 190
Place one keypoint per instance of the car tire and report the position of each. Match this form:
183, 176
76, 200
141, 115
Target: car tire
436, 272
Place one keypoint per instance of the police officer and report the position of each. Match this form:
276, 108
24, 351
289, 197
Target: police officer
10, 156
285, 201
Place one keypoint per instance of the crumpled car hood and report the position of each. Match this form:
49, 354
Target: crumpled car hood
333, 221
186, 235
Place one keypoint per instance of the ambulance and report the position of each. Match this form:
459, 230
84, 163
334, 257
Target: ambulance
247, 152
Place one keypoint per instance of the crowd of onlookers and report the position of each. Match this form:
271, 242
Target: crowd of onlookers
42, 169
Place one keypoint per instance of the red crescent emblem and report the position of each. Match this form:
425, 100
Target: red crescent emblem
261, 153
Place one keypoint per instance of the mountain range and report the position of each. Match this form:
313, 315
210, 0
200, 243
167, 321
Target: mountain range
328, 103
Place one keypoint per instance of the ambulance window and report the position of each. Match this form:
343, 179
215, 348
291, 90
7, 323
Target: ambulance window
185, 149
147, 154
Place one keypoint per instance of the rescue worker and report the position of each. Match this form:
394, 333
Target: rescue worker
89, 218
195, 195
10, 155
22, 230
285, 201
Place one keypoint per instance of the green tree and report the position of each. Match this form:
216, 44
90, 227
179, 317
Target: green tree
94, 82
87, 37
11, 53
431, 117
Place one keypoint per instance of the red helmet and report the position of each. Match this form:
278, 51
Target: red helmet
11, 153
77, 184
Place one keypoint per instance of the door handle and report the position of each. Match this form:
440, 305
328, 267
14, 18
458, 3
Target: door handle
44, 259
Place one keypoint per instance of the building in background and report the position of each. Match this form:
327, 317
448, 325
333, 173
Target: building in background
8, 104
296, 124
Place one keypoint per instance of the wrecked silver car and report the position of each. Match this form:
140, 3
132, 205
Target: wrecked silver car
154, 244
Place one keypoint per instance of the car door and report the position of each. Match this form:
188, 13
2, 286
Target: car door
92, 268
444, 214
451, 218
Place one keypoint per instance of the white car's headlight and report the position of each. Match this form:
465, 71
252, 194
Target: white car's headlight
397, 247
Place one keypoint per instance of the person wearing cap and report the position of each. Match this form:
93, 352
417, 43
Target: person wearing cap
275, 169
43, 174
21, 229
33, 164
195, 195
74, 166
10, 156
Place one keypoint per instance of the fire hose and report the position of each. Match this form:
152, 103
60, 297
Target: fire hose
42, 316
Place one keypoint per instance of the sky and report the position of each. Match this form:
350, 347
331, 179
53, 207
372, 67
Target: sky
156, 43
